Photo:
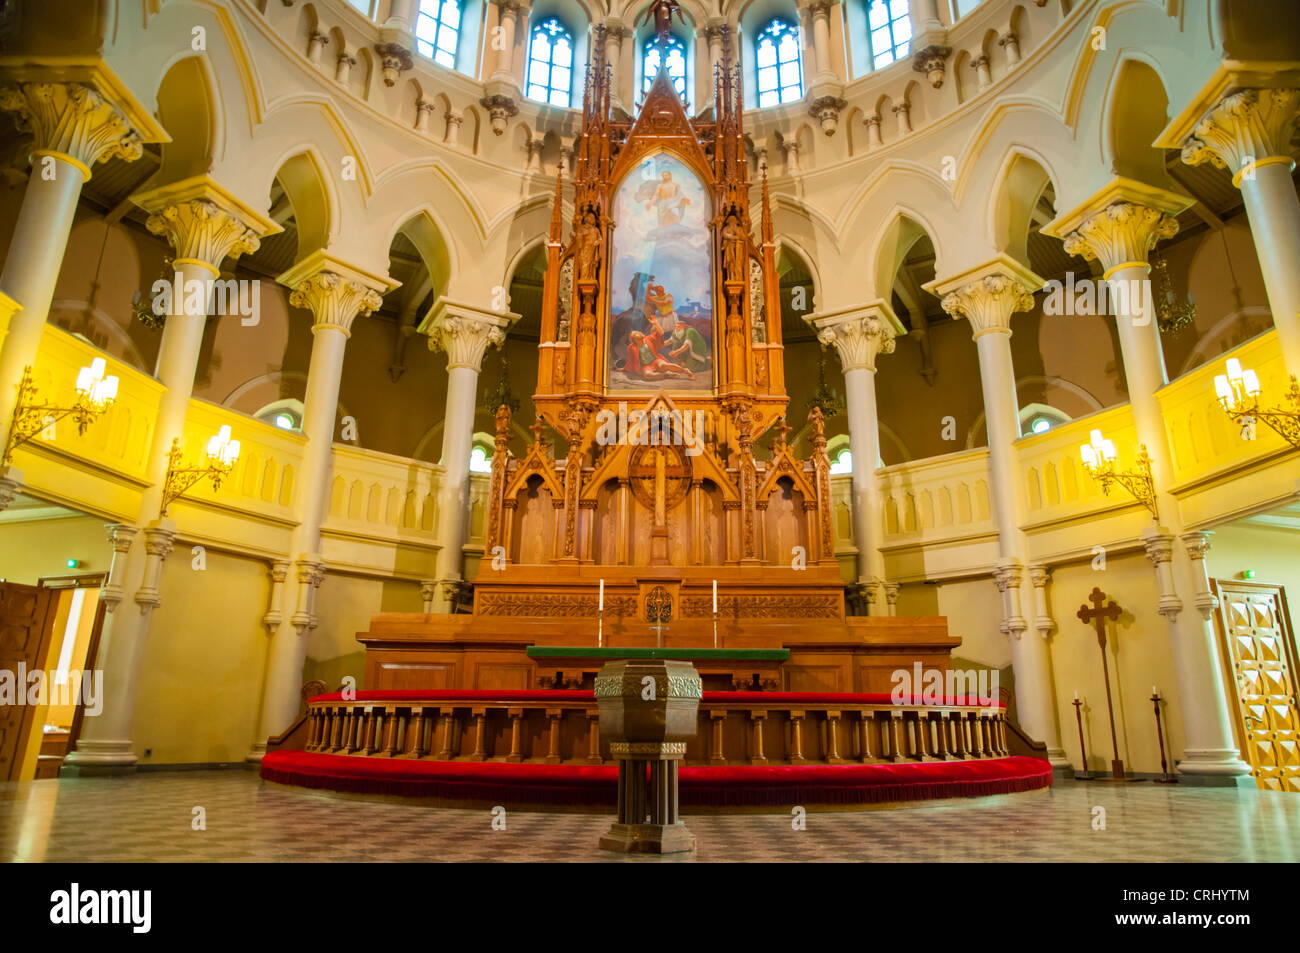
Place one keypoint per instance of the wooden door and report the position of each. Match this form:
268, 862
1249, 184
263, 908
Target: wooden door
26, 624
1261, 653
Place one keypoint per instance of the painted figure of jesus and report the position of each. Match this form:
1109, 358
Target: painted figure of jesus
668, 201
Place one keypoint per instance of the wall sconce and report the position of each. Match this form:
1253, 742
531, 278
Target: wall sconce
1099, 459
222, 452
1239, 391
95, 393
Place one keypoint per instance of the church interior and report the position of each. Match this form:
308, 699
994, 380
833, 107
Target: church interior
592, 430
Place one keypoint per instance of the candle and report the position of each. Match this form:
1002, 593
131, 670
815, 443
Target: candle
715, 597
601, 605
1076, 694
1153, 690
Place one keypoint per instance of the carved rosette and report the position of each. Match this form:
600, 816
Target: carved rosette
988, 303
203, 231
1246, 127
334, 301
859, 340
71, 120
465, 340
1120, 233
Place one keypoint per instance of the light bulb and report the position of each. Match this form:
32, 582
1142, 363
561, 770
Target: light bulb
85, 380
1234, 369
1250, 380
1224, 390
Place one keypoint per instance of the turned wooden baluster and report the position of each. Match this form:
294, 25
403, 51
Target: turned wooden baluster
371, 724
796, 738
336, 729
866, 719
516, 716
553, 742
1001, 721
923, 743
351, 737
958, 737
393, 732
982, 719
756, 755
417, 743
593, 738
447, 751
716, 754
895, 735
480, 734
943, 753
832, 742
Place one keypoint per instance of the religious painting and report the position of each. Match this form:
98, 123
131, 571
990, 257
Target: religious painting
661, 284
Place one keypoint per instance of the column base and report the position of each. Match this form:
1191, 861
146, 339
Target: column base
1213, 763
648, 838
97, 758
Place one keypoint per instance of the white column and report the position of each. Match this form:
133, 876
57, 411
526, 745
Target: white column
203, 224
464, 333
508, 17
987, 297
335, 294
925, 19
1121, 235
820, 11
74, 127
859, 336
1249, 133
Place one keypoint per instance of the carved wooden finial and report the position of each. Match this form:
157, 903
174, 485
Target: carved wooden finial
537, 429
557, 208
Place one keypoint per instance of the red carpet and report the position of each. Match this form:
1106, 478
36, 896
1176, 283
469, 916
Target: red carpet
581, 786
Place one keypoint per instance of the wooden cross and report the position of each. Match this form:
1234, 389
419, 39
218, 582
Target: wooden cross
782, 429
1098, 615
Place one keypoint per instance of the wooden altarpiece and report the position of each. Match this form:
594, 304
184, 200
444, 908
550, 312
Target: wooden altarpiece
677, 500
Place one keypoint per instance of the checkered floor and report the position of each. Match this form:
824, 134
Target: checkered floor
151, 817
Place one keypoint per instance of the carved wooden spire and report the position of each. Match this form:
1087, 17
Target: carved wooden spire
557, 208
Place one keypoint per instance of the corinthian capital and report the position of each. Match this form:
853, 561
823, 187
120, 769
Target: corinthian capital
1121, 234
858, 335
334, 300
72, 121
1245, 129
988, 302
204, 232
334, 291
465, 335
203, 221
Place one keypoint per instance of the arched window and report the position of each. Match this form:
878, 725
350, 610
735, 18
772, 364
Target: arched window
889, 31
437, 30
843, 462
550, 63
1040, 418
480, 460
962, 7
674, 55
777, 67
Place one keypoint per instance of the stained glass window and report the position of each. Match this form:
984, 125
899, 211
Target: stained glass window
550, 63
437, 30
777, 67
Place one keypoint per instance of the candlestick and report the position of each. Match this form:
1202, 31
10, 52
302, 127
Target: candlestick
600, 617
1165, 777
715, 597
600, 604
1083, 751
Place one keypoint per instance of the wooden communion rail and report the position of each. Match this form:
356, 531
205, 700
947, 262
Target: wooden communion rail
735, 728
